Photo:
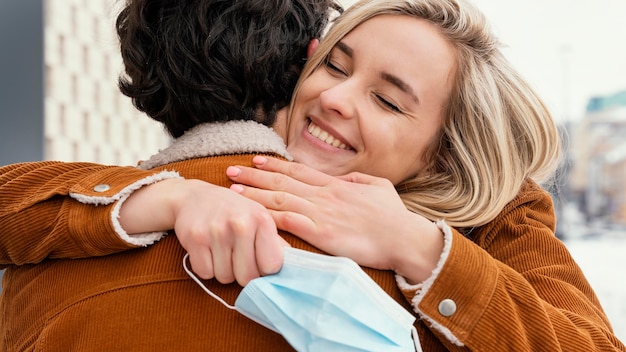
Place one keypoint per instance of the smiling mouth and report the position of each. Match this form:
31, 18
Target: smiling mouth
324, 136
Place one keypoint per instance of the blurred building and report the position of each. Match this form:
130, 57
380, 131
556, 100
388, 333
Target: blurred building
59, 98
86, 118
598, 177
83, 117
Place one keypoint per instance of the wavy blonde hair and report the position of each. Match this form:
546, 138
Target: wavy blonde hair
496, 131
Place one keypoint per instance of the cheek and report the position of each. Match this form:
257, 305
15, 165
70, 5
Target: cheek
314, 85
300, 104
409, 157
281, 125
298, 113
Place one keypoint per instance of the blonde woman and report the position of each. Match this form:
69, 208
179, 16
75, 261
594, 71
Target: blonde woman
494, 278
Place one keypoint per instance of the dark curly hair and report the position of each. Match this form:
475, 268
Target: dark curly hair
193, 61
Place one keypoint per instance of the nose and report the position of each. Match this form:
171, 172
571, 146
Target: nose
340, 99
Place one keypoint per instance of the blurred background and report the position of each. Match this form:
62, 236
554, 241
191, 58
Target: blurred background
59, 101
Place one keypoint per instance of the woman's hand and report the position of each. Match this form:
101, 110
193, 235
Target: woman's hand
358, 216
227, 236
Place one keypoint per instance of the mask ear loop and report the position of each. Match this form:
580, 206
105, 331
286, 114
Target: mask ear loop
416, 339
197, 280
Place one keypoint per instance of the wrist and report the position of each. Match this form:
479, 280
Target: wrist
152, 207
420, 250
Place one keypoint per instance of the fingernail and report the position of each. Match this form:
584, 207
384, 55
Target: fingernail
237, 188
232, 171
259, 160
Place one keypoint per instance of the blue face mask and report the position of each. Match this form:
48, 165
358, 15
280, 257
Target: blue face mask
324, 303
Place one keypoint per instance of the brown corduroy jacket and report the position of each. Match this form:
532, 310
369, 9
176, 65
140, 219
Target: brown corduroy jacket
73, 283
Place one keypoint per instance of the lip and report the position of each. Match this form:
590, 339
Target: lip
323, 145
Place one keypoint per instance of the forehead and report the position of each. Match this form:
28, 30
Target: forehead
407, 47
410, 30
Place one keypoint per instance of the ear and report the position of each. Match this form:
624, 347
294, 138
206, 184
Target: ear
313, 44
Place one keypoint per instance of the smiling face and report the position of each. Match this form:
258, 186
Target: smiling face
377, 103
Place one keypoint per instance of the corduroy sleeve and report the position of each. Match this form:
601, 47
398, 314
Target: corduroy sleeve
515, 287
67, 210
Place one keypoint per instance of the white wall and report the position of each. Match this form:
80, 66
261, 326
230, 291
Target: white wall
86, 117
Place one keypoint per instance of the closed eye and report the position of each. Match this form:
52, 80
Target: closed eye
387, 104
334, 68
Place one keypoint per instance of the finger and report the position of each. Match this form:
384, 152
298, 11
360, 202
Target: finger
201, 263
266, 180
222, 261
275, 200
244, 260
299, 225
269, 250
357, 177
294, 170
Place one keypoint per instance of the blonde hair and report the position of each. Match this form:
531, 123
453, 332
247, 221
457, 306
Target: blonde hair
496, 132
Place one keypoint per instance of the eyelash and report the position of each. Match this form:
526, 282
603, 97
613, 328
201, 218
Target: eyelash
386, 104
332, 67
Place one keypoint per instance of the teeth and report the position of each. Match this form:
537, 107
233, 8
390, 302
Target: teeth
324, 136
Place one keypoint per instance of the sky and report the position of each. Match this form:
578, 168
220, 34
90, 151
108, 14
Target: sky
569, 50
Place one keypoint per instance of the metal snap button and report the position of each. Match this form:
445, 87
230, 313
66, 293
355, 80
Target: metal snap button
102, 188
447, 307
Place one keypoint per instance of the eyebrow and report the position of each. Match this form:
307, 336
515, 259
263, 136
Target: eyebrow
395, 80
346, 49
402, 85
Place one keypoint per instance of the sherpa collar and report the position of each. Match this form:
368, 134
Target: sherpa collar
211, 139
